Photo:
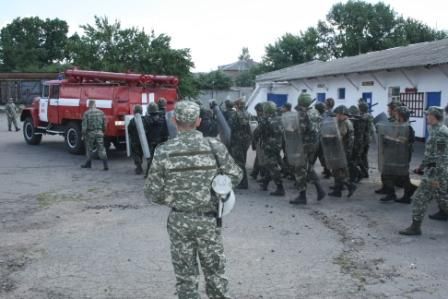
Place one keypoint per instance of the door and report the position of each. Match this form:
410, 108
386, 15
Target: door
367, 96
278, 99
321, 96
432, 99
53, 104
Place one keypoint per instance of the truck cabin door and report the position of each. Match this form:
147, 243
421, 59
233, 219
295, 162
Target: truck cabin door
53, 104
43, 104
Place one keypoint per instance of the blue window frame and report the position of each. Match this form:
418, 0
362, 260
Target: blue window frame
341, 93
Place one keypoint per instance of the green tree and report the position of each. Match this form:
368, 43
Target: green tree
108, 47
244, 54
215, 80
32, 44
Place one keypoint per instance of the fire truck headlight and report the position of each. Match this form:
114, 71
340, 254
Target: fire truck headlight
119, 123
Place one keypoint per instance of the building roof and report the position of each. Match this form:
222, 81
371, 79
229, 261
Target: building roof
28, 75
421, 54
240, 65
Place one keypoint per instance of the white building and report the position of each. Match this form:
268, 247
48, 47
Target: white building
417, 75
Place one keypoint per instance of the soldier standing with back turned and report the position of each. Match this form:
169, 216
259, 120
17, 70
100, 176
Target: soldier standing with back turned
11, 114
136, 148
180, 177
93, 127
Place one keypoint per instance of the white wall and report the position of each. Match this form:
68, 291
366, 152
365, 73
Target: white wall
434, 79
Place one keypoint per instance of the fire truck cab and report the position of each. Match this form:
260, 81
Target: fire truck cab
60, 109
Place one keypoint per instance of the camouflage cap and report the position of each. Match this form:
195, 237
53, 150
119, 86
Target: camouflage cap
436, 111
341, 109
138, 109
304, 100
186, 111
320, 107
269, 107
161, 103
353, 110
394, 104
153, 108
404, 112
363, 106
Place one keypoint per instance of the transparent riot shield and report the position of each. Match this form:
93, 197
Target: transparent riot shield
142, 135
293, 140
172, 129
331, 143
127, 119
393, 148
223, 127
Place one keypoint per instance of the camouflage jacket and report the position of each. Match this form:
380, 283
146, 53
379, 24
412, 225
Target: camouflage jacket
182, 171
239, 125
11, 110
209, 125
436, 152
347, 135
271, 135
370, 130
309, 126
93, 120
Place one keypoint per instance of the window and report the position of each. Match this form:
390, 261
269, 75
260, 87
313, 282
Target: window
341, 93
394, 93
46, 91
54, 93
414, 101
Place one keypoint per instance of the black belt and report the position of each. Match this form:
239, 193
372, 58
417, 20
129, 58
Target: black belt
199, 214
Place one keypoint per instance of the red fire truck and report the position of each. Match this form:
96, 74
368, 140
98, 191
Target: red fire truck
60, 109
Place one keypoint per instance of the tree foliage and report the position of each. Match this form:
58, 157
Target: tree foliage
32, 44
350, 28
215, 80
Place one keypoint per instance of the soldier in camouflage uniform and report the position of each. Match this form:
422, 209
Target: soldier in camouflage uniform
256, 135
230, 110
240, 139
390, 181
329, 104
93, 127
155, 128
434, 184
180, 177
394, 104
287, 170
11, 111
209, 125
271, 134
341, 176
162, 106
369, 131
309, 123
136, 148
359, 128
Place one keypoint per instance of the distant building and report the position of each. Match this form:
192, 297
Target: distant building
22, 86
234, 69
417, 75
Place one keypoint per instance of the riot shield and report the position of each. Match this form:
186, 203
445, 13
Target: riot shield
261, 158
127, 119
382, 117
293, 140
332, 146
172, 129
142, 135
223, 127
393, 148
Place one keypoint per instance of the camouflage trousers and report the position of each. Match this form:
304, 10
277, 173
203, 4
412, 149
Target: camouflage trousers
273, 167
137, 154
425, 194
341, 176
12, 120
192, 238
239, 154
306, 173
95, 140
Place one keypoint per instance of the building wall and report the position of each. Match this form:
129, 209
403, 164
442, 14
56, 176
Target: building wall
434, 79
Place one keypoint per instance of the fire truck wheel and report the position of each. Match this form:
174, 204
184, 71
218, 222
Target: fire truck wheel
28, 132
73, 141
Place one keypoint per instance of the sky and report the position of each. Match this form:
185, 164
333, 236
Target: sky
214, 31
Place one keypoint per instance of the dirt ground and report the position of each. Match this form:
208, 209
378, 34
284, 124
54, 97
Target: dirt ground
73, 233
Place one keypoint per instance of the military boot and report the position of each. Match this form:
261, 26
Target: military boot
299, 200
440, 216
243, 185
280, 191
382, 190
389, 197
351, 189
320, 191
105, 166
413, 230
264, 185
88, 164
138, 170
337, 191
